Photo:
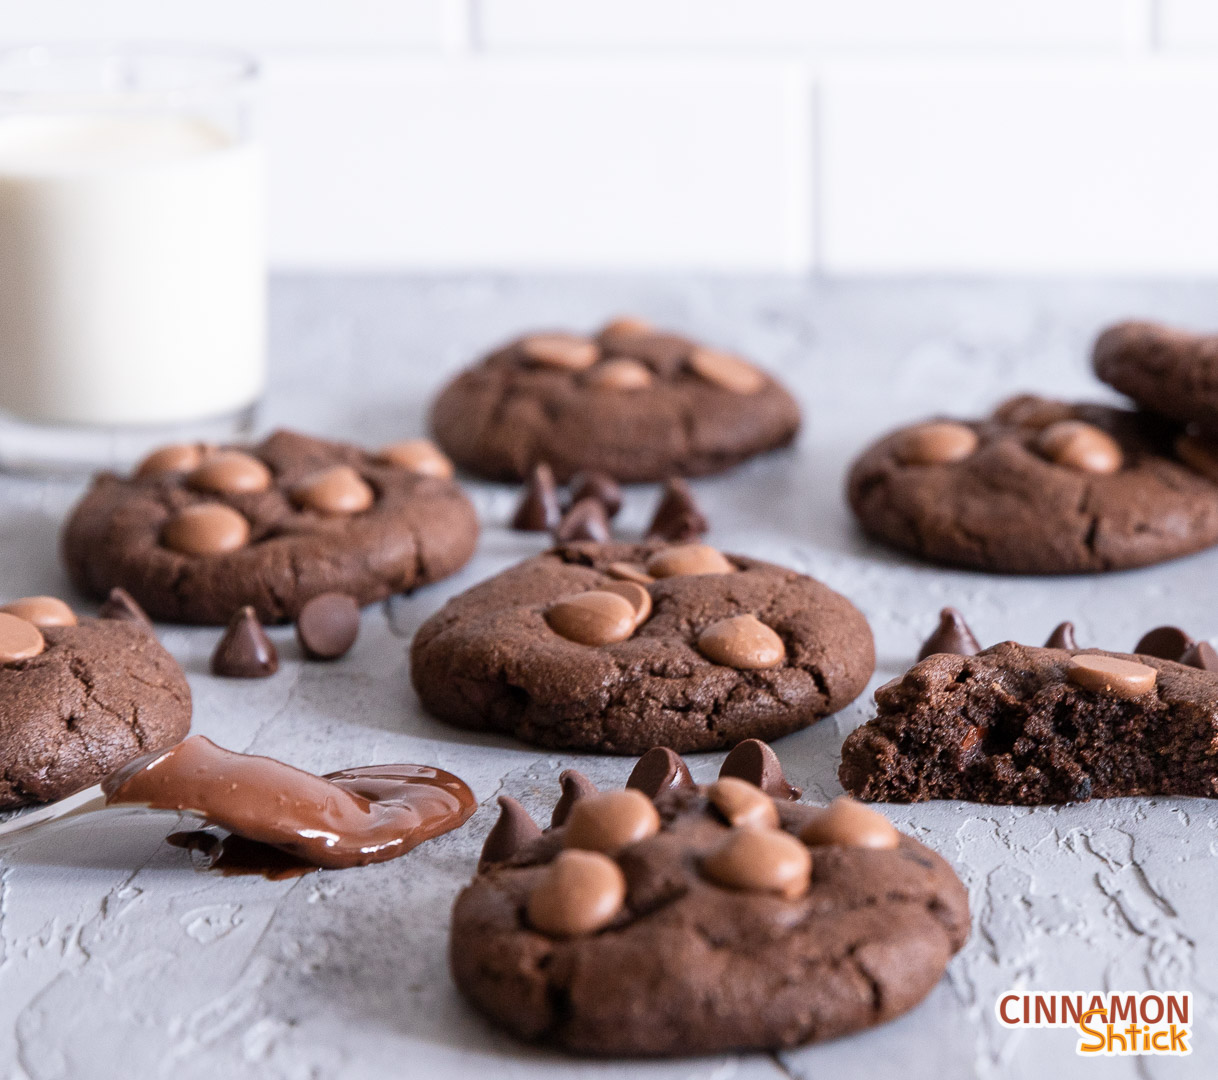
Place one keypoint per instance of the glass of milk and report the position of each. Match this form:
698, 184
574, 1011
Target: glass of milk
132, 258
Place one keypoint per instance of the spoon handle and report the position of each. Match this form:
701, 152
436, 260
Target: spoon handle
80, 802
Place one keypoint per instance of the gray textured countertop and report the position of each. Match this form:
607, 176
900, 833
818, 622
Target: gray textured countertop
117, 958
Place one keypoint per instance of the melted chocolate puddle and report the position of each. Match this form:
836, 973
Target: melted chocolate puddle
233, 855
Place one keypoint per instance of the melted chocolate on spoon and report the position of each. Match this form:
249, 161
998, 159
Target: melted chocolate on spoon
348, 818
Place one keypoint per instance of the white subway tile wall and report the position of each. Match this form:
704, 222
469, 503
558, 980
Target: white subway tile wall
842, 136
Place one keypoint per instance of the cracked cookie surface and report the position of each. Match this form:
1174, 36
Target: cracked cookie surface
418, 529
100, 693
488, 660
1008, 725
1005, 507
503, 416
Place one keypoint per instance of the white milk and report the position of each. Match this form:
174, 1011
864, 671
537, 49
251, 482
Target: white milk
132, 278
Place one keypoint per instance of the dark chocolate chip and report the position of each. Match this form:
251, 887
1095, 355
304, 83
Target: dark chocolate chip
599, 486
952, 636
1062, 637
121, 605
660, 769
509, 834
677, 515
1165, 642
1201, 654
586, 520
538, 510
328, 625
575, 786
244, 651
756, 762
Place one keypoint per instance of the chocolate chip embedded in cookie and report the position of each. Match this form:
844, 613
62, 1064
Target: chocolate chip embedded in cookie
195, 535
704, 651
740, 921
79, 698
633, 402
1017, 724
1039, 487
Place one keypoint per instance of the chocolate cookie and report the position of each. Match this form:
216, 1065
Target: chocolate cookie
198, 533
1018, 724
79, 698
672, 919
616, 647
1171, 372
1040, 487
632, 401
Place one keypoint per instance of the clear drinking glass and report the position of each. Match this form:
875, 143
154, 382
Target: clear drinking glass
132, 252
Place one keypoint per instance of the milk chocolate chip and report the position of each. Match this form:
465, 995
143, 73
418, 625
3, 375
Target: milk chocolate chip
761, 860
336, 491
688, 559
637, 596
677, 517
620, 373
244, 651
625, 571
756, 762
940, 442
230, 472
510, 833
19, 639
627, 324
568, 351
574, 786
1107, 674
180, 457
419, 456
725, 370
1031, 411
585, 520
121, 605
610, 820
1164, 642
581, 892
1200, 455
847, 822
1201, 654
598, 617
660, 769
599, 486
1078, 445
206, 529
328, 625
41, 611
538, 508
1062, 637
951, 636
743, 642
742, 803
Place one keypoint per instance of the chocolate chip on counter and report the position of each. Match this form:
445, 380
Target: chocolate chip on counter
597, 617
660, 769
940, 442
1164, 642
756, 762
847, 822
636, 595
742, 803
625, 571
568, 351
419, 456
688, 559
179, 457
1107, 674
244, 651
574, 785
1201, 654
121, 605
620, 373
1062, 637
1200, 455
611, 820
761, 860
41, 611
580, 892
743, 642
206, 529
585, 520
510, 833
336, 491
538, 509
19, 639
599, 486
328, 625
677, 516
952, 635
725, 370
1082, 446
230, 472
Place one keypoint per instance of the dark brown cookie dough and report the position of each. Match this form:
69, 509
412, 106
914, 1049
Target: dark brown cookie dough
1024, 725
632, 402
490, 660
1168, 371
100, 693
418, 528
988, 494
798, 924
